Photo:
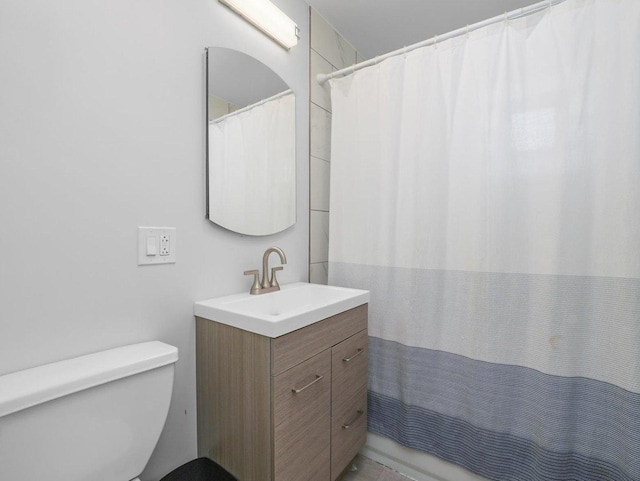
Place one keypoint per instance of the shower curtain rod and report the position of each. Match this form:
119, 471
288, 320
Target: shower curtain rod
249, 107
521, 12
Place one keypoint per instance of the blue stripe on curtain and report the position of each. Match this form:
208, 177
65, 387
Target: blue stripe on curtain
496, 456
503, 422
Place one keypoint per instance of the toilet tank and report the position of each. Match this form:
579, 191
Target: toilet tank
92, 418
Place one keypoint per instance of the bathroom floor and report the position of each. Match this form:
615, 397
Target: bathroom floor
369, 470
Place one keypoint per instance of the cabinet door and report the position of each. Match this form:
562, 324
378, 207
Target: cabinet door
302, 420
349, 400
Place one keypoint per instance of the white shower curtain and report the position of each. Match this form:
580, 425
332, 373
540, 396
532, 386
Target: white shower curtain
487, 191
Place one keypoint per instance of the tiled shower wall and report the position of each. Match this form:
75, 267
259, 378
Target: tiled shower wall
329, 51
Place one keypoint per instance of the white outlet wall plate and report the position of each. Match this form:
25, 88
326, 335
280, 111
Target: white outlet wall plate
156, 245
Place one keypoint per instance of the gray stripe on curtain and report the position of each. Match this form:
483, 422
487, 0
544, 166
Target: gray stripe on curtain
591, 322
512, 298
500, 421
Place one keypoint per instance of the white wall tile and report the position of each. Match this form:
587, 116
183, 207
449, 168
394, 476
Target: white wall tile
320, 170
319, 245
319, 273
330, 44
320, 93
320, 134
360, 57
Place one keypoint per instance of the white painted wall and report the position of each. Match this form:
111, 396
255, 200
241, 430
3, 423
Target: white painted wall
102, 107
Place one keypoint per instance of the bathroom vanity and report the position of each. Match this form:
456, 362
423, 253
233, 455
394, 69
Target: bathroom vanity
286, 407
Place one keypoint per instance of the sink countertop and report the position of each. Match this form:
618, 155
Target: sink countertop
274, 314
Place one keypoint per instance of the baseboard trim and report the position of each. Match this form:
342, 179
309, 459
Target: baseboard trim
414, 464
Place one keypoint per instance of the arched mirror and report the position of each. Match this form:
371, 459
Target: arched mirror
251, 186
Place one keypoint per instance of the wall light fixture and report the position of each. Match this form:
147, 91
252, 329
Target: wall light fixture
268, 18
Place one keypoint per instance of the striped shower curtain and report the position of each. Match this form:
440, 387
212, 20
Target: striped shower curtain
486, 190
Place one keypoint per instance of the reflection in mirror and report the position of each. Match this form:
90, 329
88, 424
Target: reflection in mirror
251, 145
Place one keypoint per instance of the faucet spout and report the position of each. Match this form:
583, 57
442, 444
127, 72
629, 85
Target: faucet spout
265, 264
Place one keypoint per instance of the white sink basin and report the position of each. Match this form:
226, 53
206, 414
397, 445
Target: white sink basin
277, 313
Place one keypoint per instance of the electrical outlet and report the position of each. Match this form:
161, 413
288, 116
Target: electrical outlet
156, 245
165, 245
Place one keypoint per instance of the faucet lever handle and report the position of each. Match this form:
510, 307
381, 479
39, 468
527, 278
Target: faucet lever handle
274, 282
255, 287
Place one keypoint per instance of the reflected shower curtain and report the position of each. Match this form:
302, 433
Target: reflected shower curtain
252, 167
487, 191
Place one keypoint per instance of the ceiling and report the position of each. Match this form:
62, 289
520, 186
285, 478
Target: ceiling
376, 27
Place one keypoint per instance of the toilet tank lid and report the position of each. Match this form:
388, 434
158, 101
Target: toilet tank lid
23, 389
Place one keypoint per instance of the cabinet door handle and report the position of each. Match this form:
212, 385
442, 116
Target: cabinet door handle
348, 359
348, 425
298, 390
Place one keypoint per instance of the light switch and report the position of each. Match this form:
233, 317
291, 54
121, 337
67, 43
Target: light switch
156, 245
151, 246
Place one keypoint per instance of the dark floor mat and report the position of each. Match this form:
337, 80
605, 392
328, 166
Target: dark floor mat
201, 469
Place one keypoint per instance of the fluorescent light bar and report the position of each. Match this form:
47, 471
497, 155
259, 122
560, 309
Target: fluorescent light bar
265, 16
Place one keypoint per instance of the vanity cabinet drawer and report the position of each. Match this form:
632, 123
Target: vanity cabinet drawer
295, 347
302, 419
349, 367
348, 431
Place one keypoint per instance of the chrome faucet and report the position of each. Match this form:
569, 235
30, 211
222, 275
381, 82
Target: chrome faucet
267, 284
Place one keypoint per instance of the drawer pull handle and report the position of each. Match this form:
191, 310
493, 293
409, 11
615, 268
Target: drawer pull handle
347, 426
348, 359
318, 378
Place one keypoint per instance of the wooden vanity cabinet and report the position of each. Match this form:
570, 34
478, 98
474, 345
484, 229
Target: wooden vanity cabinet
291, 408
